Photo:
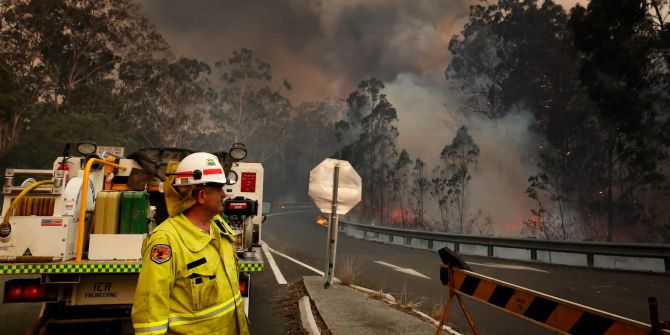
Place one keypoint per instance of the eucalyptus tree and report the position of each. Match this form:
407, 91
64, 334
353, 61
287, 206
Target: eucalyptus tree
401, 185
459, 158
168, 102
52, 47
623, 56
369, 135
440, 190
246, 95
419, 189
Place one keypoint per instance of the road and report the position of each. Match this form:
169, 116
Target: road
414, 274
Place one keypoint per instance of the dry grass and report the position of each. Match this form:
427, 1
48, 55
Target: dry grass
437, 310
348, 271
379, 295
405, 301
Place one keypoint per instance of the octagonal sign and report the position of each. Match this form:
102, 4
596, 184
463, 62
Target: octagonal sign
321, 181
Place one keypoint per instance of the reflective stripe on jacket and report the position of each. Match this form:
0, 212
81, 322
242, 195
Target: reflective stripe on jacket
189, 281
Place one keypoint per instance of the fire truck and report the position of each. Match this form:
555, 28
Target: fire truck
77, 229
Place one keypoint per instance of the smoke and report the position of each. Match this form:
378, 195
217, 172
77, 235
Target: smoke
428, 120
506, 160
325, 47
425, 113
322, 47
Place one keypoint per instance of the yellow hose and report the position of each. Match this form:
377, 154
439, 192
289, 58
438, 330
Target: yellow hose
18, 198
82, 205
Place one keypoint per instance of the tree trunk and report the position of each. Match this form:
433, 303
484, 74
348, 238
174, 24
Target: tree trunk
610, 178
383, 179
560, 207
402, 212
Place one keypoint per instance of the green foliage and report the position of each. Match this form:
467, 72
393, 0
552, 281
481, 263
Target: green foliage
60, 128
55, 49
12, 104
169, 103
620, 60
245, 96
369, 135
458, 157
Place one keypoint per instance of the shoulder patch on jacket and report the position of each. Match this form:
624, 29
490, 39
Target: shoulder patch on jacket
161, 253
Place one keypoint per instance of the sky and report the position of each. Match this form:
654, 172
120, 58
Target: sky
325, 47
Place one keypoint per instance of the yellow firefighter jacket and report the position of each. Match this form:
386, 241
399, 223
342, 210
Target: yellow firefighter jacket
189, 281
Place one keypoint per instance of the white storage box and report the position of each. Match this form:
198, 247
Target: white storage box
102, 247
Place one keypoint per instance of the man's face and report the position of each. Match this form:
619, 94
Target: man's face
212, 196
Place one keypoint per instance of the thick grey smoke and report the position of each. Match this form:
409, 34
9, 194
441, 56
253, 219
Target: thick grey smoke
429, 121
323, 47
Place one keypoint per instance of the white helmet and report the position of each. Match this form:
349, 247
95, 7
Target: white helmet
199, 168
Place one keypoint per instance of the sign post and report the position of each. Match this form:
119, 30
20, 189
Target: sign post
332, 231
335, 188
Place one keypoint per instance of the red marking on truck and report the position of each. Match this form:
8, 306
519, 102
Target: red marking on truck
51, 222
248, 182
238, 205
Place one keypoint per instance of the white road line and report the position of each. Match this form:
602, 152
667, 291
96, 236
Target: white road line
508, 266
292, 259
275, 269
403, 270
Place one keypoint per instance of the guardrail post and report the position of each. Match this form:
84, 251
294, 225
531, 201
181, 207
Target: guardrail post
653, 314
667, 265
533, 254
489, 250
430, 244
589, 260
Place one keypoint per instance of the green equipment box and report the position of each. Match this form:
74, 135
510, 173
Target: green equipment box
134, 212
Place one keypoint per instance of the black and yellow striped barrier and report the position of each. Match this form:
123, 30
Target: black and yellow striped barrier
556, 314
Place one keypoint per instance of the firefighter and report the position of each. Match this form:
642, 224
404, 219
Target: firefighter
189, 278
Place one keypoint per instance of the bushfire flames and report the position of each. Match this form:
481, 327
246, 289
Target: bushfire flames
322, 221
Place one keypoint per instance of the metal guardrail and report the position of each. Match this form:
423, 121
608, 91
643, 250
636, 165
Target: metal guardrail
621, 256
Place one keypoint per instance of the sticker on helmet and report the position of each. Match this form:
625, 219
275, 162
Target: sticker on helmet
210, 162
161, 253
